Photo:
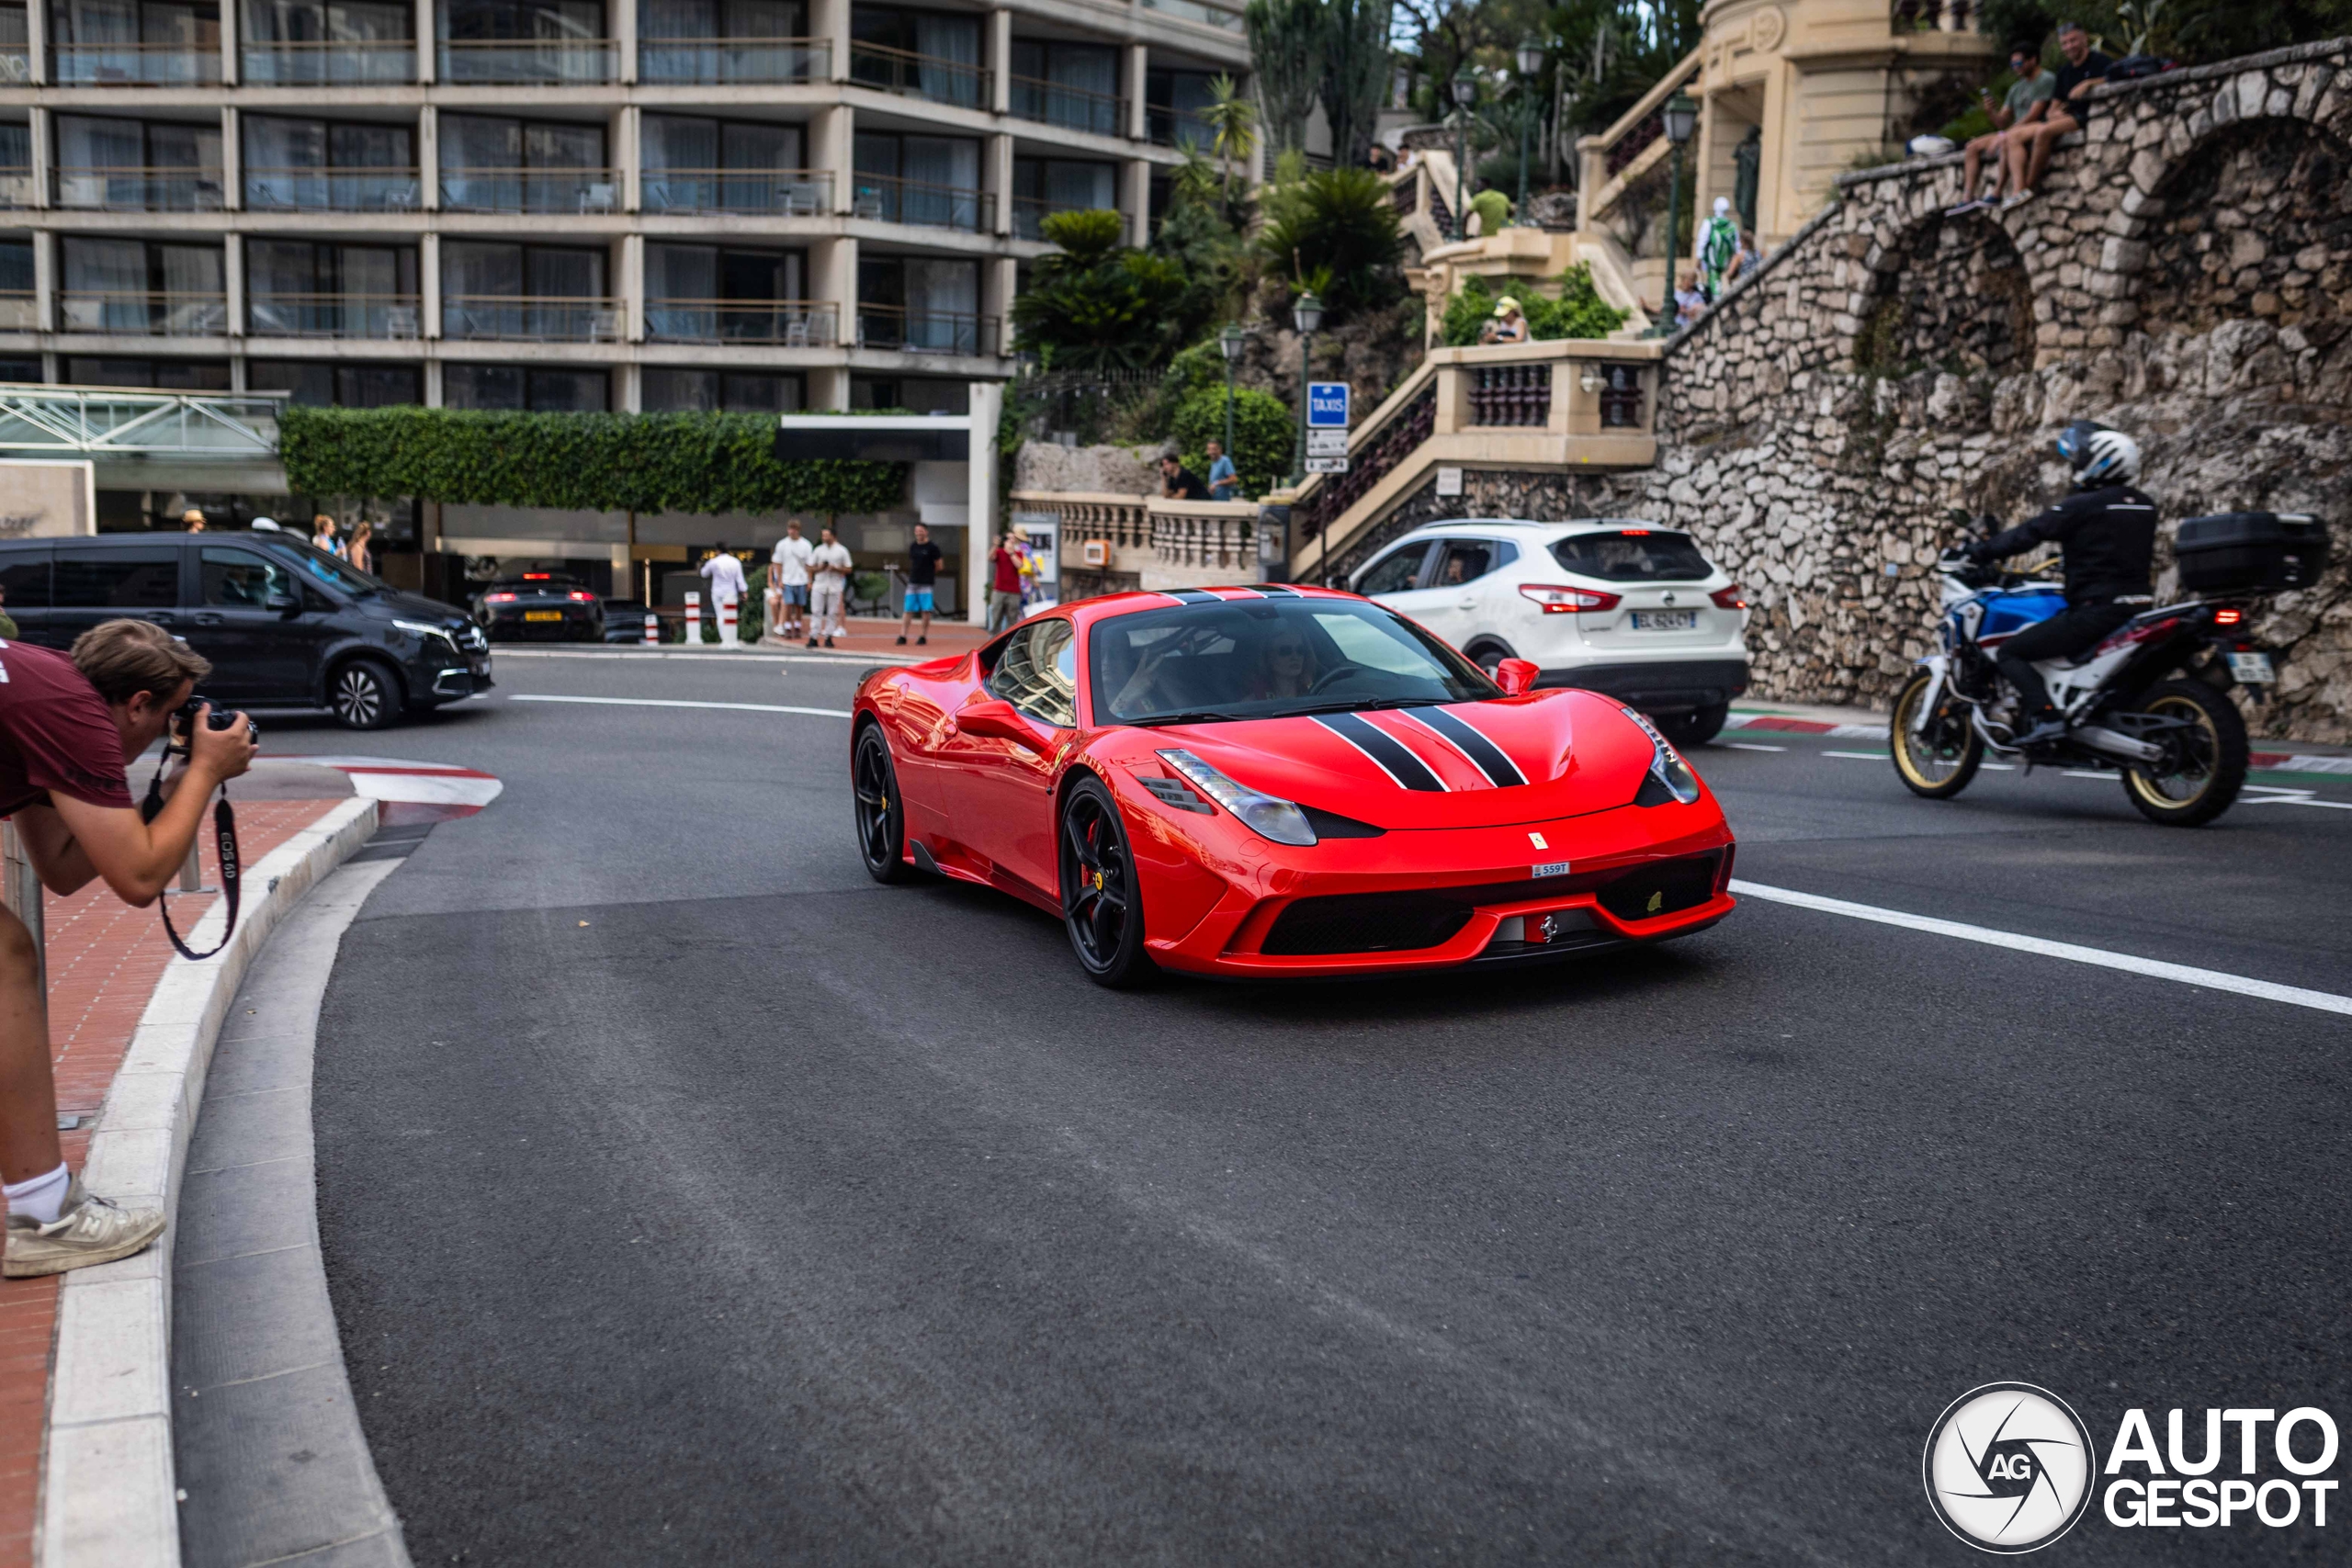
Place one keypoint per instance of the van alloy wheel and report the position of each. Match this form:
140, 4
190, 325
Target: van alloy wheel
363, 696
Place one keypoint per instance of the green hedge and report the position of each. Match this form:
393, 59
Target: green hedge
1262, 431
598, 462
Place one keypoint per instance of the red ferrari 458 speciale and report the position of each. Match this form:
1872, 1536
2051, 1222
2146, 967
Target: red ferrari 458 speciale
1273, 781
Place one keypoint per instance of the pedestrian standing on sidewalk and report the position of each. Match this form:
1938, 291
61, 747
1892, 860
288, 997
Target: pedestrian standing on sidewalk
829, 564
363, 554
922, 578
789, 577
69, 728
322, 535
1004, 582
725, 575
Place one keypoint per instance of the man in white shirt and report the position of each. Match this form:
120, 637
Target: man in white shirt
788, 581
831, 565
725, 574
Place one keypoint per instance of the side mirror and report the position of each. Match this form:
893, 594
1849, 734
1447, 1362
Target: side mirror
1516, 676
995, 718
285, 604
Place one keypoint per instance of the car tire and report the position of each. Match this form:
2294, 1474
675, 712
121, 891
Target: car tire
1489, 653
2211, 754
1696, 727
363, 694
1101, 907
881, 814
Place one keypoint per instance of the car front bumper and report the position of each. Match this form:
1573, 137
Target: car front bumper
1679, 686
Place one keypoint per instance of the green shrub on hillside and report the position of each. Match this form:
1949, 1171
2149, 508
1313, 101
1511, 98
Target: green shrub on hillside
1579, 311
1261, 435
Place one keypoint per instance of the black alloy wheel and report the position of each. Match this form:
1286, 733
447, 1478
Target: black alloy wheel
881, 815
364, 695
1100, 902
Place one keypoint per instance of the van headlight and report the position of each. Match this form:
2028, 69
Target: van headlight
1269, 817
1670, 777
420, 631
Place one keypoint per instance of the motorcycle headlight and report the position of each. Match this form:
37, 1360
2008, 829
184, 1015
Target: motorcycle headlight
1670, 777
1269, 817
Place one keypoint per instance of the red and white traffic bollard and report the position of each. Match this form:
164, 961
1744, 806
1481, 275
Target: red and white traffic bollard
694, 621
652, 628
726, 623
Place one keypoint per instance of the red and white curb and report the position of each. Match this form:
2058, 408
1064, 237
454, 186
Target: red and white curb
424, 791
2274, 761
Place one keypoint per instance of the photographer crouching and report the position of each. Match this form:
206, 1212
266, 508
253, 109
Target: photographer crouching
69, 728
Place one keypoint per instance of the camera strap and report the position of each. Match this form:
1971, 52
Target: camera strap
224, 833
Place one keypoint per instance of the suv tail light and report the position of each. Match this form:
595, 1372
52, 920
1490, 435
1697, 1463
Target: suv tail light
1559, 600
1732, 598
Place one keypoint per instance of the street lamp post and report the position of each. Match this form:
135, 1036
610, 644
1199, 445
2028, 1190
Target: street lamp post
1530, 60
1681, 114
1465, 93
1306, 315
1228, 342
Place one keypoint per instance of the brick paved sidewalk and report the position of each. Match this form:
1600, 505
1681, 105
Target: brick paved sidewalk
105, 959
868, 636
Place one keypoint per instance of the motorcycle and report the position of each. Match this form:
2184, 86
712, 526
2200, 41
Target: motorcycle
2150, 703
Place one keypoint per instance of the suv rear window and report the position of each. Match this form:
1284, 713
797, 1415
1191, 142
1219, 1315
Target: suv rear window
1636, 555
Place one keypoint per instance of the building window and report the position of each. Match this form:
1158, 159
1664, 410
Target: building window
119, 43
1075, 86
1173, 102
167, 375
131, 165
930, 180
541, 390
16, 45
726, 40
17, 287
920, 304
298, 288
322, 385
539, 293
19, 370
924, 55
306, 43
328, 167
669, 390
524, 165
532, 42
142, 285
916, 394
710, 294
1043, 186
721, 165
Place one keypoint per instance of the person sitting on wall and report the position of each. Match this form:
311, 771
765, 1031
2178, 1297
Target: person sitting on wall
1690, 302
1178, 482
2070, 110
2025, 104
1508, 325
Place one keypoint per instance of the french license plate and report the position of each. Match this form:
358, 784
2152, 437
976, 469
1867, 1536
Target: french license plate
543, 614
1665, 620
2253, 669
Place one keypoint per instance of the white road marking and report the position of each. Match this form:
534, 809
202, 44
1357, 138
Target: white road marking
2187, 974
1999, 767
1859, 755
1751, 746
2087, 774
2299, 800
674, 703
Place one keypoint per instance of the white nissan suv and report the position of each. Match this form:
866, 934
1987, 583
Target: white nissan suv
1610, 604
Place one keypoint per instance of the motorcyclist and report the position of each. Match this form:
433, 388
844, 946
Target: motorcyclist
2108, 531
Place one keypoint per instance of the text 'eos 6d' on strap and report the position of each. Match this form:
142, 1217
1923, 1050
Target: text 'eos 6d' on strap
224, 833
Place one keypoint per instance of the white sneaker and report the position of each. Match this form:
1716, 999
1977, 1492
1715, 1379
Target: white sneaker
88, 1229
2016, 198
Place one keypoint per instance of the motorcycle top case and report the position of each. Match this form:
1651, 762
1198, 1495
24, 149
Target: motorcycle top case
2250, 552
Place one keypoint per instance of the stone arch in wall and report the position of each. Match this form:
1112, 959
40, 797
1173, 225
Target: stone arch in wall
2253, 220
1950, 294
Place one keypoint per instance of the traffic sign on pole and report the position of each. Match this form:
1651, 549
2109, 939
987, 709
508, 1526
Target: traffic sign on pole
1327, 464
1327, 405
1327, 443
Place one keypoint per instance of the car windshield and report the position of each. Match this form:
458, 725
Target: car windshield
1269, 658
324, 566
1633, 555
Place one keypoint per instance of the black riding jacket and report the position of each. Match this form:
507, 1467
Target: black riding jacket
2109, 536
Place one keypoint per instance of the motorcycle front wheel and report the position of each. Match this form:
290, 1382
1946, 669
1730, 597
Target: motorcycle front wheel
1937, 759
2205, 759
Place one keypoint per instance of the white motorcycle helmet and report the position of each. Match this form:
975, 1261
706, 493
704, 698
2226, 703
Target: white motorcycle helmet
2098, 456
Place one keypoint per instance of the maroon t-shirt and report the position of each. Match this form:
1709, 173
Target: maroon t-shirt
55, 733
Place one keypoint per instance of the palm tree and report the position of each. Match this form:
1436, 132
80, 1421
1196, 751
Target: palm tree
1234, 119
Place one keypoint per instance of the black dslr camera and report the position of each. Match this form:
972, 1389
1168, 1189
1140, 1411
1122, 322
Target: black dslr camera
184, 719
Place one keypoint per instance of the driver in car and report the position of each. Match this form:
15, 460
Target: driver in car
1285, 664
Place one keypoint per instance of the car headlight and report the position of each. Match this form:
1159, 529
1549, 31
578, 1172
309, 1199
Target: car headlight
1269, 817
421, 629
1670, 777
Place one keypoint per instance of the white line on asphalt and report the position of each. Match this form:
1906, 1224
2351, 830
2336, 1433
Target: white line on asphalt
1859, 755
1751, 746
2211, 980
2299, 800
673, 702
2086, 773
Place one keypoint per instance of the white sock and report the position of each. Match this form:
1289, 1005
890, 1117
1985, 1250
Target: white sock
40, 1196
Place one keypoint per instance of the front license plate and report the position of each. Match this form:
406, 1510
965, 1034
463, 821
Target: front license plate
2253, 669
1665, 620
543, 614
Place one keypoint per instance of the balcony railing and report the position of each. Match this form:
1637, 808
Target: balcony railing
314, 189
135, 66
524, 319
567, 62
1207, 15
925, 332
1072, 108
718, 62
101, 189
324, 62
150, 312
784, 193
1178, 128
1510, 394
333, 315
16, 186
1932, 15
919, 75
1030, 212
17, 314
788, 323
531, 190
878, 197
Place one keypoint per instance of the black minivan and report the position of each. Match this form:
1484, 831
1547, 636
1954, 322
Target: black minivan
285, 626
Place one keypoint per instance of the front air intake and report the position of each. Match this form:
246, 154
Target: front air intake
1365, 922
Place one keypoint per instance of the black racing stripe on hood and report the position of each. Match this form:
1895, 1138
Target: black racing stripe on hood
1485, 755
1192, 596
1391, 755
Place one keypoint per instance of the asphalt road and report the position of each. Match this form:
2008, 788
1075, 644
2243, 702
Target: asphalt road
688, 1198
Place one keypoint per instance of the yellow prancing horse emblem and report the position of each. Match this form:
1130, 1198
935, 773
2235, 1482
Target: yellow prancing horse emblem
1658, 902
